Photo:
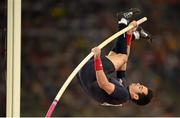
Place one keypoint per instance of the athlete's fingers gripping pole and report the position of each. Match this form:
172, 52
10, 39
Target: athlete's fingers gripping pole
76, 70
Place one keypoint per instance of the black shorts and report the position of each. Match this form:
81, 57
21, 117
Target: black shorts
87, 75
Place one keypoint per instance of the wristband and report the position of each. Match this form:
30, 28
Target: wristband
129, 39
98, 64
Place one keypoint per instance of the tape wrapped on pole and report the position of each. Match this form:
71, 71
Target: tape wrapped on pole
78, 68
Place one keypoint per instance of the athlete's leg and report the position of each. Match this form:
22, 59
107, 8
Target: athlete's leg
120, 45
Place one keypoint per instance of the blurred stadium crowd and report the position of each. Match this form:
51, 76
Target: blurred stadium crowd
58, 34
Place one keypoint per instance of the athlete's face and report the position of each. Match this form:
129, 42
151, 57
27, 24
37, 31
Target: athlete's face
139, 88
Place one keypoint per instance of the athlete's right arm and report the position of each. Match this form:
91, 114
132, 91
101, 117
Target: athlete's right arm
100, 75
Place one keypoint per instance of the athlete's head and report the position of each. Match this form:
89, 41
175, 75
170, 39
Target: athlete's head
140, 94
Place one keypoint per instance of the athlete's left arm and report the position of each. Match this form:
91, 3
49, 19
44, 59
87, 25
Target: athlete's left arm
128, 37
129, 41
100, 75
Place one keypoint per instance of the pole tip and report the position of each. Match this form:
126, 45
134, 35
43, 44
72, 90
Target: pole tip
142, 20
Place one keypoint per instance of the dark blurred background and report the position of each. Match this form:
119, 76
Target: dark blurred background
58, 34
3, 27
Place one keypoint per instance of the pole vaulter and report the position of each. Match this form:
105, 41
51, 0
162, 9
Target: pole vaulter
88, 57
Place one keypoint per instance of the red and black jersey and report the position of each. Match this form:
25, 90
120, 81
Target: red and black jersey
89, 83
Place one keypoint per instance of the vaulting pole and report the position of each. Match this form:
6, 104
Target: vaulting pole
76, 70
13, 58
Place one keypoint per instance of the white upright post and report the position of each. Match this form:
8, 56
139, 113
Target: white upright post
13, 58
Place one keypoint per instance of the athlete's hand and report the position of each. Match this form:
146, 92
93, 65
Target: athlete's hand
96, 51
134, 23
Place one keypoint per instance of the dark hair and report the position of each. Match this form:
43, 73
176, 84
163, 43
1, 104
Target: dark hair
144, 99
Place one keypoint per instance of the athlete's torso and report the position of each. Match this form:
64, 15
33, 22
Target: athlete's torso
89, 83
119, 96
